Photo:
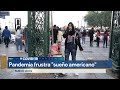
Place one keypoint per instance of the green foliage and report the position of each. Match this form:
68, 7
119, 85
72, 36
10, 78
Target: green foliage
95, 18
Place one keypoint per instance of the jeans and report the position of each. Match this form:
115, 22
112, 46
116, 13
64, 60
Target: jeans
6, 41
105, 41
26, 45
67, 53
91, 41
98, 40
18, 43
55, 39
83, 40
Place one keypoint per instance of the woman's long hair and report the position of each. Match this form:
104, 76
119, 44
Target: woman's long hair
73, 29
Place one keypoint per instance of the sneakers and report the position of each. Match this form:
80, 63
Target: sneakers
20, 51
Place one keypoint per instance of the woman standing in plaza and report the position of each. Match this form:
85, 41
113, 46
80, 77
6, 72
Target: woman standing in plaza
71, 42
105, 38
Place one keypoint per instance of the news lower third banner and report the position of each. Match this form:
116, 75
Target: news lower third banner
56, 64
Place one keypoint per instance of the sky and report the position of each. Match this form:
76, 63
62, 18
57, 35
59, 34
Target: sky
10, 20
60, 18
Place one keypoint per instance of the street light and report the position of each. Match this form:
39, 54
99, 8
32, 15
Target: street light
81, 22
78, 24
52, 26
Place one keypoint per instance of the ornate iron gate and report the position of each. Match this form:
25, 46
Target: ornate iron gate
38, 33
115, 41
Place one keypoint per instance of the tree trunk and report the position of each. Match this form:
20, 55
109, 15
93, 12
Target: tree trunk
101, 26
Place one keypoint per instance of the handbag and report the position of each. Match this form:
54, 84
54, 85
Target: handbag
81, 48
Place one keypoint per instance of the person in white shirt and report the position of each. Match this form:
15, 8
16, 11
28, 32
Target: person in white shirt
59, 36
18, 39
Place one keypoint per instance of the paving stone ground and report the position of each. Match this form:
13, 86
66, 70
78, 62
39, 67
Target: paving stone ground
96, 53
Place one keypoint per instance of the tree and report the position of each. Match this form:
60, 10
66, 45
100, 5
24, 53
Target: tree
96, 18
107, 18
90, 19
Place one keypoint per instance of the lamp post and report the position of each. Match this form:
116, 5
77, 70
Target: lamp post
52, 26
81, 22
78, 24
114, 53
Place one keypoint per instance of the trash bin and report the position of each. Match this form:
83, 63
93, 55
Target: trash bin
3, 61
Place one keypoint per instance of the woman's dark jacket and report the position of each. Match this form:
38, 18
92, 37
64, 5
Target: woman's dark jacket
77, 40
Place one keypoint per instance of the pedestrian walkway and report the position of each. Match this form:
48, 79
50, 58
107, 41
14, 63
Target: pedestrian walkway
11, 51
96, 53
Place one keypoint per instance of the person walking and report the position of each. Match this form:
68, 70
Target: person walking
71, 42
55, 33
98, 37
105, 38
59, 36
80, 35
18, 39
25, 34
83, 36
90, 34
6, 34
